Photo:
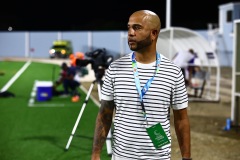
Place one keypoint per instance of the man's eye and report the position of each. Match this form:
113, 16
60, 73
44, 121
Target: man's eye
137, 28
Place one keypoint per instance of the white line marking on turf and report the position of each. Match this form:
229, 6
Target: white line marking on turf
16, 76
52, 105
32, 96
46, 105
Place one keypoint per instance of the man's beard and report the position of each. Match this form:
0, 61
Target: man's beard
142, 44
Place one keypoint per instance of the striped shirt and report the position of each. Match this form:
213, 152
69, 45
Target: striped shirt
130, 139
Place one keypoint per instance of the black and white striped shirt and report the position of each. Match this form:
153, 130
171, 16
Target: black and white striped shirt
130, 139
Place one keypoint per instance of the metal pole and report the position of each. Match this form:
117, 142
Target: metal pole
90, 40
27, 44
168, 14
109, 136
59, 36
79, 116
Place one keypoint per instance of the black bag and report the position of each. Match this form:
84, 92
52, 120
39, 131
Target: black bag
6, 94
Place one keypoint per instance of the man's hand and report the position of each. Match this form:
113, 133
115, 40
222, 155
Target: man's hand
95, 157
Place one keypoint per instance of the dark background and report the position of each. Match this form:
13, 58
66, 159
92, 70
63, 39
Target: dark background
67, 15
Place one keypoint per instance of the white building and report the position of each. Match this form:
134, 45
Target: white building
221, 36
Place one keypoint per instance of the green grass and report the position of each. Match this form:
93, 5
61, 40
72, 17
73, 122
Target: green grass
41, 133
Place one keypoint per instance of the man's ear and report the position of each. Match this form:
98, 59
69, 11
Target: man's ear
154, 33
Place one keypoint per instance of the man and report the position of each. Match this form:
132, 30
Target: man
140, 88
185, 59
67, 79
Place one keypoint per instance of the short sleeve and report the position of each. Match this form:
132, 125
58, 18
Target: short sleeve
179, 93
107, 88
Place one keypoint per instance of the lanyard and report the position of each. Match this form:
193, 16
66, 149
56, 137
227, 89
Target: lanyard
142, 91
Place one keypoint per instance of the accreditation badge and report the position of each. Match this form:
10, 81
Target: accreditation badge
157, 135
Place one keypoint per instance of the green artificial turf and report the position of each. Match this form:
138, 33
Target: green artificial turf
41, 131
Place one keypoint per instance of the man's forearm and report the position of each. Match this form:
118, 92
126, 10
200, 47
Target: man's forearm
103, 124
183, 135
182, 128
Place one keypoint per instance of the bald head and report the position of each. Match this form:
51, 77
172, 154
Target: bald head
143, 31
148, 17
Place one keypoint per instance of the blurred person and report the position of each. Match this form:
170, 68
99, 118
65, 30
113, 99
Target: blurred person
81, 71
72, 58
70, 84
198, 79
80, 55
185, 59
139, 90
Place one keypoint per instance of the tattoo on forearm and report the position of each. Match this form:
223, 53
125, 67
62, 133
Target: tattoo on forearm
103, 124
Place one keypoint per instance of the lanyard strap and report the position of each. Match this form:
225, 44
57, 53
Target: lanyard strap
142, 91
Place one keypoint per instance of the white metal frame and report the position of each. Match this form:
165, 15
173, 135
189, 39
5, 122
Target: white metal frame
168, 44
236, 40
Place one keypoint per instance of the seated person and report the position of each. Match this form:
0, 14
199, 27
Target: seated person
198, 78
70, 84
